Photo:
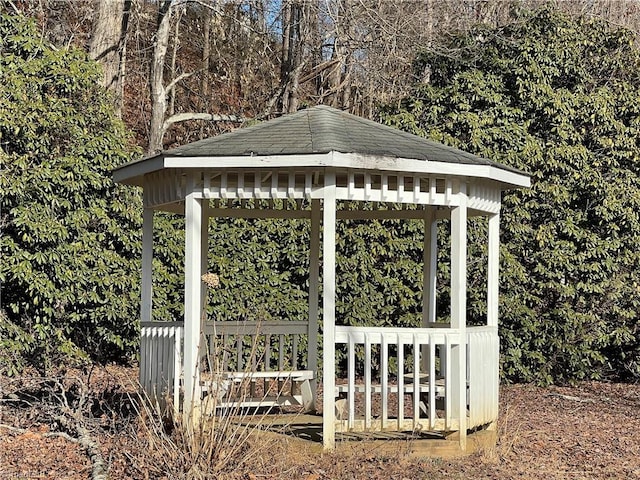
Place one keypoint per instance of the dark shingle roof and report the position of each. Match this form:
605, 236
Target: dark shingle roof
323, 129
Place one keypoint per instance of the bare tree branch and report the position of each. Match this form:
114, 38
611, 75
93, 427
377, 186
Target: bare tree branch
178, 79
209, 117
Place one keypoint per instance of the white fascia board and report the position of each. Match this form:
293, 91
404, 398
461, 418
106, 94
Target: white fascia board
335, 160
370, 162
133, 173
254, 161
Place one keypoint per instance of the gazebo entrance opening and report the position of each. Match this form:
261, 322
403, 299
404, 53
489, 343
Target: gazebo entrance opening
427, 378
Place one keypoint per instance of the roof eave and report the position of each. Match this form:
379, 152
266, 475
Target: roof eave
134, 172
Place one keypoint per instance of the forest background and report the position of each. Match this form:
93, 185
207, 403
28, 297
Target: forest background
550, 88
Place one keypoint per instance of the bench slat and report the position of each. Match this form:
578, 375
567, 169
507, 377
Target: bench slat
406, 388
296, 375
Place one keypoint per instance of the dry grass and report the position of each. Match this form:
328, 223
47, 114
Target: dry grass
218, 440
543, 433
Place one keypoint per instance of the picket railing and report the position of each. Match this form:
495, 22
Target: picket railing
161, 361
264, 363
397, 378
401, 378
483, 358
260, 363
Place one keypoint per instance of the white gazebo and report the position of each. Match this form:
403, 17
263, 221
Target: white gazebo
440, 377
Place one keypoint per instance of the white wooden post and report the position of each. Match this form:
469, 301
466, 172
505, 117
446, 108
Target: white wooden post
204, 265
429, 272
146, 287
146, 296
192, 299
430, 266
493, 291
458, 312
328, 313
314, 277
493, 268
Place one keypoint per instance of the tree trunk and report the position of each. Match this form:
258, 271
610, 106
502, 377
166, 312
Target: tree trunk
206, 55
174, 55
158, 92
108, 45
295, 33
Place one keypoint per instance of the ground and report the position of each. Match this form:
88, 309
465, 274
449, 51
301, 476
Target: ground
587, 431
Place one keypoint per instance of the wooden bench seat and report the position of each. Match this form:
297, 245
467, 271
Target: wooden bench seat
406, 388
300, 392
294, 375
261, 364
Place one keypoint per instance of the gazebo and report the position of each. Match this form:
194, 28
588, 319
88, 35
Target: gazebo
439, 377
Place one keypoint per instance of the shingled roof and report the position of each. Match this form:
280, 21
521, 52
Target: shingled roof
322, 136
323, 129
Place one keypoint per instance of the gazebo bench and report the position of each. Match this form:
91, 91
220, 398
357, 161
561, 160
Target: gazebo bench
300, 392
264, 353
409, 388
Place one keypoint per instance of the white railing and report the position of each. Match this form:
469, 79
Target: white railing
270, 355
404, 377
265, 363
266, 346
483, 357
382, 369
161, 361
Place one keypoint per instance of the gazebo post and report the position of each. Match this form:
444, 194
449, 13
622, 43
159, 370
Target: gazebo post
429, 271
204, 267
193, 212
458, 312
493, 287
493, 269
329, 310
204, 257
146, 285
430, 266
314, 278
146, 295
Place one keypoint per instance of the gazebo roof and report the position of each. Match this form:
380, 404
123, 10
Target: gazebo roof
309, 137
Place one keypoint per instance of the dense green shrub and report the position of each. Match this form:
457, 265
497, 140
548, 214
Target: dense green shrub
70, 241
558, 97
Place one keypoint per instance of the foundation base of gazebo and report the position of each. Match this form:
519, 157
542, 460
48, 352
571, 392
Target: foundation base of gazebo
304, 432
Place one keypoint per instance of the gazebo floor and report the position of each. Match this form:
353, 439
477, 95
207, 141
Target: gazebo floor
306, 431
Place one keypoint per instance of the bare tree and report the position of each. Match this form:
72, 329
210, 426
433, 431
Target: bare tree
160, 123
156, 80
209, 63
108, 45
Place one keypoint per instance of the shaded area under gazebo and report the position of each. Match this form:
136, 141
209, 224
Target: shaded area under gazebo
439, 377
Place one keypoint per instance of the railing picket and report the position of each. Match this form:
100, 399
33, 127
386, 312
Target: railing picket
239, 352
164, 355
384, 379
156, 361
254, 364
400, 383
432, 384
281, 347
225, 354
416, 381
281, 352
367, 381
267, 352
294, 353
351, 376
